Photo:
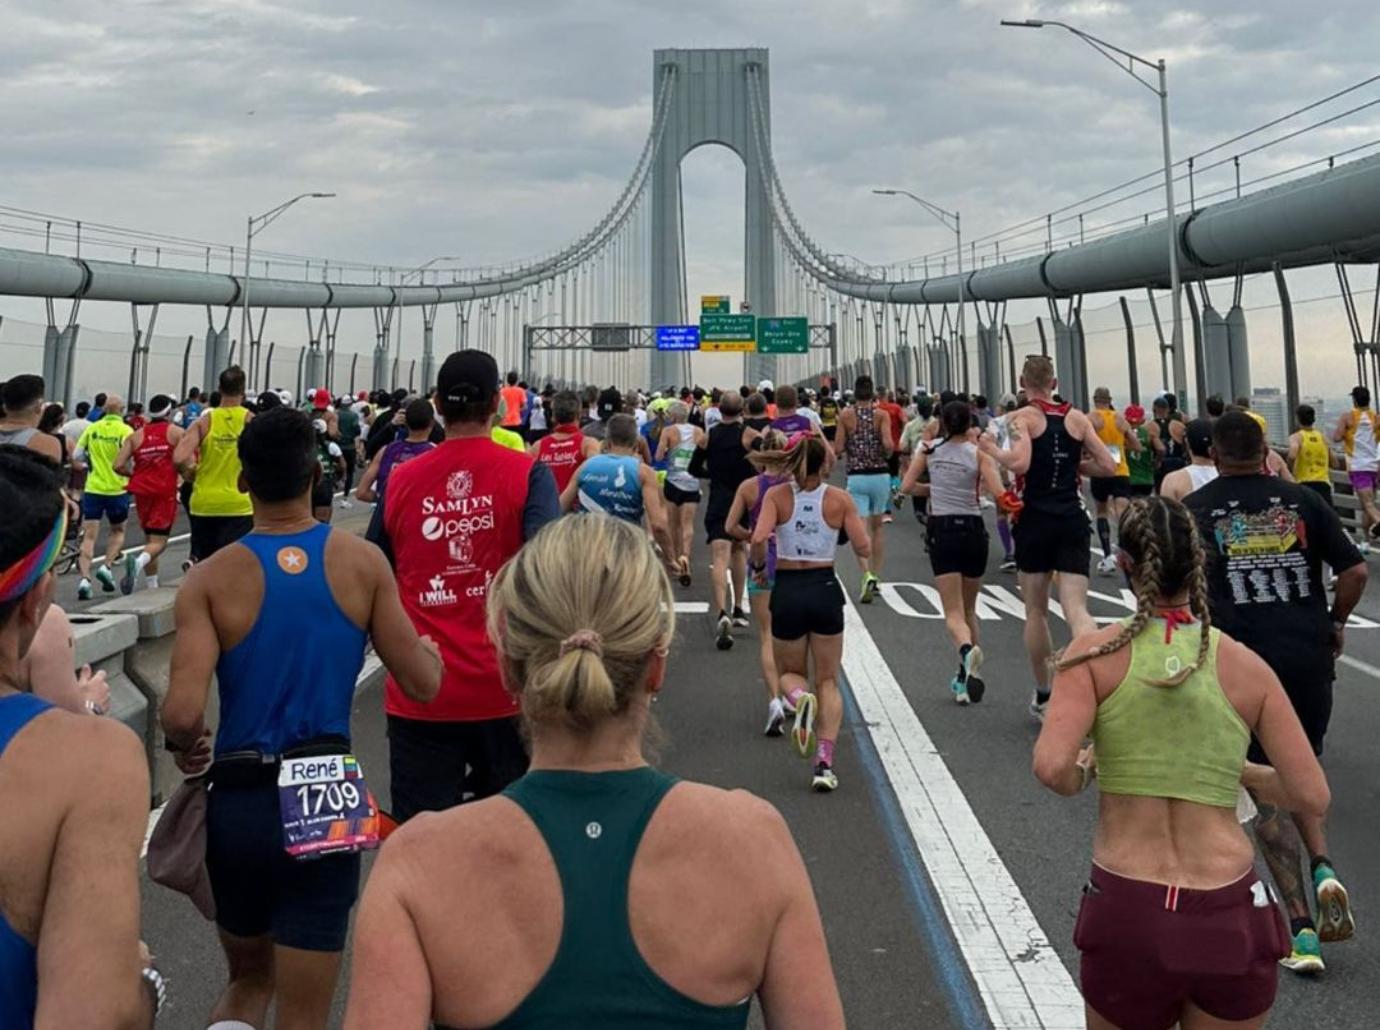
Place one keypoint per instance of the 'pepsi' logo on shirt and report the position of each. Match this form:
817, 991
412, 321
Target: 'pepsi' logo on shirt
436, 528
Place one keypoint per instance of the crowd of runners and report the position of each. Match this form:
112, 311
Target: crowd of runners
518, 580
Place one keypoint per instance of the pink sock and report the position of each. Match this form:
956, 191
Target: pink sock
825, 752
795, 696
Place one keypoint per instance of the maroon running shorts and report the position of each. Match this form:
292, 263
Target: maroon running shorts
1148, 950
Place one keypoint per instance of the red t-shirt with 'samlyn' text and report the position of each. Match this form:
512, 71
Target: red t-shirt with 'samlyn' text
562, 456
453, 517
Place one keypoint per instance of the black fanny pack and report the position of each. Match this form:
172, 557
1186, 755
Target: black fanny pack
253, 768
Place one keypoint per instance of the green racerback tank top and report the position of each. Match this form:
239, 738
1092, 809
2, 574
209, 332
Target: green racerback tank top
1185, 742
593, 823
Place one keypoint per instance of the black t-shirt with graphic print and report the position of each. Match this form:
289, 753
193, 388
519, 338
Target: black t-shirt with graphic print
1266, 541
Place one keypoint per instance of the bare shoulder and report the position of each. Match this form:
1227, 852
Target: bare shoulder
726, 818
1241, 665
473, 836
96, 752
1085, 642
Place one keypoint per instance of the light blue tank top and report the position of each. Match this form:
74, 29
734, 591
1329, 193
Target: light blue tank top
18, 958
292, 679
612, 484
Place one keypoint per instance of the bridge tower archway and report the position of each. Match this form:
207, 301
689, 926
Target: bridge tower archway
710, 103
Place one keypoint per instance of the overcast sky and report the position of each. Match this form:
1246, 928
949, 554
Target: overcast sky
497, 130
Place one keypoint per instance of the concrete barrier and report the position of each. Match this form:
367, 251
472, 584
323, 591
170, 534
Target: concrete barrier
145, 666
102, 641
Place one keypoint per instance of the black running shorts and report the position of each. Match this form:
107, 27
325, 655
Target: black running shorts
1053, 543
806, 601
957, 544
322, 494
716, 513
675, 495
1323, 489
259, 888
212, 532
1104, 488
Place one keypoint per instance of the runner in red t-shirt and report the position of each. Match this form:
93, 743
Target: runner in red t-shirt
565, 448
896, 420
452, 518
153, 485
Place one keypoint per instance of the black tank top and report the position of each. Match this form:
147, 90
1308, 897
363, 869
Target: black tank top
1050, 485
1175, 454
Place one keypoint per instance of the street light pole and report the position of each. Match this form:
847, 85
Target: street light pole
1180, 359
255, 225
1116, 55
945, 218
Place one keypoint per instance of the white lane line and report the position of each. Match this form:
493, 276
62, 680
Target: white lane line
1021, 979
692, 607
148, 832
1360, 666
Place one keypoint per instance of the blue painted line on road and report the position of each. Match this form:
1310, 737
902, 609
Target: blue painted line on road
959, 990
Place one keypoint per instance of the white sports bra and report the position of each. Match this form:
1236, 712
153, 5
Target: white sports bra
805, 536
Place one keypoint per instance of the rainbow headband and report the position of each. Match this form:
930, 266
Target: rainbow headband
19, 578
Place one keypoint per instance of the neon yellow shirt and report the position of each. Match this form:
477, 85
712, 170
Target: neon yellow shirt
101, 441
1311, 464
216, 490
507, 438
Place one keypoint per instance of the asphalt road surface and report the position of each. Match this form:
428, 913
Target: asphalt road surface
948, 877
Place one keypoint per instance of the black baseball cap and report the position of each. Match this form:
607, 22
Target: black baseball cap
467, 377
610, 404
1198, 436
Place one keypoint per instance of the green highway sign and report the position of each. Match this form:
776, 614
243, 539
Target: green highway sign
721, 332
715, 304
783, 336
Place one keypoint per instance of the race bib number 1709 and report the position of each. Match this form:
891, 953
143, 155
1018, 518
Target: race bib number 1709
326, 806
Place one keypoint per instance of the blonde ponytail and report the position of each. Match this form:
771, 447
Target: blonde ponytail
576, 615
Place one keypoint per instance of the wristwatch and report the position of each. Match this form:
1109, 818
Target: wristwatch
158, 988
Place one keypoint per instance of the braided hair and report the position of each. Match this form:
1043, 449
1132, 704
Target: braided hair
1161, 539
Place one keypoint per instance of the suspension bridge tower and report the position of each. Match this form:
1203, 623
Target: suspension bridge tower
710, 103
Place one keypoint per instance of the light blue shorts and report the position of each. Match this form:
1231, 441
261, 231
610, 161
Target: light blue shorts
871, 493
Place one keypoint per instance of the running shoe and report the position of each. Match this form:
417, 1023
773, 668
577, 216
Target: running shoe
1107, 566
345, 503
131, 564
960, 689
969, 662
776, 719
107, 579
887, 519
187, 564
1335, 921
1306, 956
803, 730
870, 584
1037, 707
84, 590
740, 618
897, 499
723, 634
786, 705
825, 781
1363, 546
683, 563
977, 687
1008, 564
